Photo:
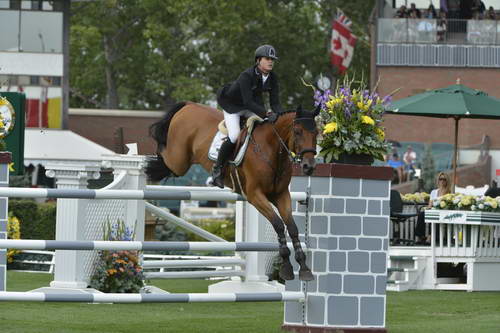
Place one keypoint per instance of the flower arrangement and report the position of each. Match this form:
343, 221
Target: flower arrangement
417, 197
459, 201
350, 120
13, 232
118, 271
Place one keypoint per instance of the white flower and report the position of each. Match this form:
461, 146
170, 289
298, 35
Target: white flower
480, 206
473, 207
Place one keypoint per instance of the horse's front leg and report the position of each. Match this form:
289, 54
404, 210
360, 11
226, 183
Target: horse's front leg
262, 204
284, 204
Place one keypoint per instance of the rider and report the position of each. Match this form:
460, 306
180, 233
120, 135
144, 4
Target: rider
243, 97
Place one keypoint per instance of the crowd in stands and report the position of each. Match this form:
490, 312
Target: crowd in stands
404, 168
423, 30
472, 9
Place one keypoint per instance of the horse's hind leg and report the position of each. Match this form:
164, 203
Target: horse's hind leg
261, 203
284, 204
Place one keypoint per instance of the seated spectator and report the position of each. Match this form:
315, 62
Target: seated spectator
490, 14
441, 26
398, 165
443, 187
409, 157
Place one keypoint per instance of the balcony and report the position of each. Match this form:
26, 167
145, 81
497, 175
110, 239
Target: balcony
420, 42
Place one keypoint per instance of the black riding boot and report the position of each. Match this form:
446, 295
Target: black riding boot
218, 172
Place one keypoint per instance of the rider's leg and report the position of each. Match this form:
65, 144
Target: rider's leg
226, 149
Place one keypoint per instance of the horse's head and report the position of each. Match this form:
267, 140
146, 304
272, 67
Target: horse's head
305, 133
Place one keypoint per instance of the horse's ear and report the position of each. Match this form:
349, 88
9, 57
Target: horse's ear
316, 112
299, 111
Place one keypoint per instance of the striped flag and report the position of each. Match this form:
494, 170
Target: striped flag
342, 42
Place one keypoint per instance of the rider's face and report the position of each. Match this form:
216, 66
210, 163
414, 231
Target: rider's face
266, 64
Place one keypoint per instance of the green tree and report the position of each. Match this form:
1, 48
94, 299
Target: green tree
428, 169
150, 54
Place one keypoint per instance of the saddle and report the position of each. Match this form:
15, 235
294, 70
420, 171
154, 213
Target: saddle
241, 143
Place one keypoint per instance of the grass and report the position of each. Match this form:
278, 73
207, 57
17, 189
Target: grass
413, 311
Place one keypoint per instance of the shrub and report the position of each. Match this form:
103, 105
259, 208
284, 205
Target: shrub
13, 232
38, 219
223, 228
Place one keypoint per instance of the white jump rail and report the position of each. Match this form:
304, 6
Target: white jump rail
151, 298
159, 194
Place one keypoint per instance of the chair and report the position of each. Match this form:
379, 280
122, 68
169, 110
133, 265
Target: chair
397, 217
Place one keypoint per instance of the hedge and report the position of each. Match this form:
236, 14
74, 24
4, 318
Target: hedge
38, 220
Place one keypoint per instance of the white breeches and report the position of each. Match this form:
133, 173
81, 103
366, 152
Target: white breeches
232, 121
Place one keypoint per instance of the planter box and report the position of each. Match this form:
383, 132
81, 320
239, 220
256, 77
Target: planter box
462, 217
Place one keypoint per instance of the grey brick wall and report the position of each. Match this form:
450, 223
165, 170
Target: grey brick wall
4, 181
347, 237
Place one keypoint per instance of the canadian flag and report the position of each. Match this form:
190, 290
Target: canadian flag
342, 43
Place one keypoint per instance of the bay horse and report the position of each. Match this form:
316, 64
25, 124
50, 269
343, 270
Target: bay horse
184, 136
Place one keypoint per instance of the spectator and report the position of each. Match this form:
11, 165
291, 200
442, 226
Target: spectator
490, 14
414, 9
410, 158
441, 26
443, 187
493, 191
479, 7
398, 165
431, 12
402, 12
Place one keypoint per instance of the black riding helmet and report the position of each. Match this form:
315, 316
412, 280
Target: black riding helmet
265, 51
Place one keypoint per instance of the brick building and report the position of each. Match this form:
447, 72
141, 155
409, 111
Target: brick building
409, 55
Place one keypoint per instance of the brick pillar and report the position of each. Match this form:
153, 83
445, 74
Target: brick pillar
346, 228
5, 159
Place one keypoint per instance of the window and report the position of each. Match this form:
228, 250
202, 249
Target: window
34, 80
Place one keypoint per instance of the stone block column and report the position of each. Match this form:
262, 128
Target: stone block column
346, 228
5, 159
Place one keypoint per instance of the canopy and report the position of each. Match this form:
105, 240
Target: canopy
456, 101
47, 145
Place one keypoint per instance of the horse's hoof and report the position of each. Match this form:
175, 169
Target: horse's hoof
306, 275
286, 272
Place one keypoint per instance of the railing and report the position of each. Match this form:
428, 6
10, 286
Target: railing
405, 30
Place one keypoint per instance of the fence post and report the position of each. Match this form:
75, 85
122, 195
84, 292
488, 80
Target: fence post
5, 159
347, 237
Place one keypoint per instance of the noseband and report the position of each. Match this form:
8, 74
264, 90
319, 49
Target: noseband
309, 124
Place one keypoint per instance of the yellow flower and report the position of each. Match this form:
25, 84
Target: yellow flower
442, 204
380, 133
330, 127
367, 120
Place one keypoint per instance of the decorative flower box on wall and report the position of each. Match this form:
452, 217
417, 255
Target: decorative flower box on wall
464, 233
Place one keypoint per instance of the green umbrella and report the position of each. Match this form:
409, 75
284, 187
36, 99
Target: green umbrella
456, 101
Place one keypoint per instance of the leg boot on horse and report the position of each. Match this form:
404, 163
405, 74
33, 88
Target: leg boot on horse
219, 170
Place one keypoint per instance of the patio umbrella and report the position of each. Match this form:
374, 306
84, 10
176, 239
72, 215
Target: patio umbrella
456, 101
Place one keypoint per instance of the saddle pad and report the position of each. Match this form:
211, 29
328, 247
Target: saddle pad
221, 134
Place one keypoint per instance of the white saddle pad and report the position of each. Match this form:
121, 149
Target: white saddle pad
213, 152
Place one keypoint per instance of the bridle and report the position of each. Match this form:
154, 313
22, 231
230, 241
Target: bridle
309, 124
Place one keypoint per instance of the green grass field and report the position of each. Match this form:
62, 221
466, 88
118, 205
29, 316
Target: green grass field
414, 311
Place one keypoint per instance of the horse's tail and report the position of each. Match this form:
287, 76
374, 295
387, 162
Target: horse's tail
156, 169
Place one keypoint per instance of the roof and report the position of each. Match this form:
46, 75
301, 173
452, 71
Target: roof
46, 145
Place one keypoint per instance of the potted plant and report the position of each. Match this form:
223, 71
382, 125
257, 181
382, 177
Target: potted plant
350, 121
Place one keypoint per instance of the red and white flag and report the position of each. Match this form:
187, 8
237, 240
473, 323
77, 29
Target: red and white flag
342, 43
